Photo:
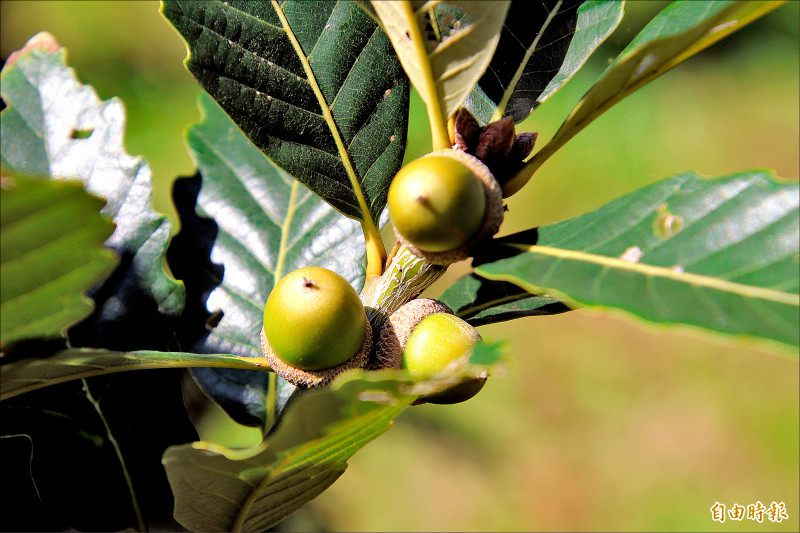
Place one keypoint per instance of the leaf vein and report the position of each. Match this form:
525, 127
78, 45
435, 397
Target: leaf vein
645, 269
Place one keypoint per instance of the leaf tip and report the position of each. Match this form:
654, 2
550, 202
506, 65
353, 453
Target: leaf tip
42, 41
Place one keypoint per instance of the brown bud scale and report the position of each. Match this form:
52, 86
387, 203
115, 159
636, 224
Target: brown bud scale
496, 145
496, 140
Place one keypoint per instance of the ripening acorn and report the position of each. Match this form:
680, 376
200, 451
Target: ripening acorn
315, 327
438, 340
444, 202
437, 203
424, 337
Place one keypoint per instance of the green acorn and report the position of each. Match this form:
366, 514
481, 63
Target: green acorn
443, 204
315, 327
425, 338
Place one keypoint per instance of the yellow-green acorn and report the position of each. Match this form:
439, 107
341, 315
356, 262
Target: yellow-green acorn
315, 327
443, 203
439, 340
425, 338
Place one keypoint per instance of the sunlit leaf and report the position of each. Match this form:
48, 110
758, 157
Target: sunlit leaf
719, 254
54, 127
51, 254
244, 224
251, 490
57, 128
445, 62
682, 30
34, 373
315, 85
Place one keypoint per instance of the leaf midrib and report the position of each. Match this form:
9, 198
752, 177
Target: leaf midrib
243, 82
704, 39
326, 113
140, 522
665, 273
137, 360
501, 107
287, 222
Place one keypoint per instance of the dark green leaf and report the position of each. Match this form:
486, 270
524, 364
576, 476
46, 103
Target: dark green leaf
250, 490
315, 85
51, 254
542, 45
721, 255
57, 128
66, 448
244, 225
92, 455
682, 30
482, 301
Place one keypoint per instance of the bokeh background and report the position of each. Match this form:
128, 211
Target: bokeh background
599, 422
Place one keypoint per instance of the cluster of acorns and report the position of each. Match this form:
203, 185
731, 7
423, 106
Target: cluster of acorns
315, 327
442, 205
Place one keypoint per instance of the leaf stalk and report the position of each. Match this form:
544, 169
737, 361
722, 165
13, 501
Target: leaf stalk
405, 278
433, 102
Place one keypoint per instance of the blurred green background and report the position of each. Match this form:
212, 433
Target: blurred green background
599, 422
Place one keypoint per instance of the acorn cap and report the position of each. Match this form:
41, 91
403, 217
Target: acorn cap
492, 218
397, 329
315, 378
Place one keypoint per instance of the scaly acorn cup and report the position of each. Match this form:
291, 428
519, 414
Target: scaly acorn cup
315, 327
443, 204
425, 338
397, 329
